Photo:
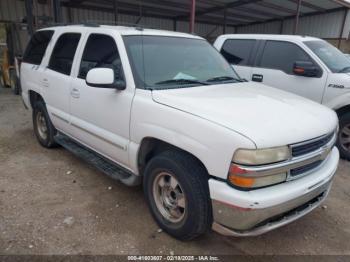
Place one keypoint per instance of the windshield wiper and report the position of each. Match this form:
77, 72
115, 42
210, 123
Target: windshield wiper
181, 82
344, 69
224, 79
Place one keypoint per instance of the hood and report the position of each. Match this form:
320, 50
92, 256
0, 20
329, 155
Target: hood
268, 116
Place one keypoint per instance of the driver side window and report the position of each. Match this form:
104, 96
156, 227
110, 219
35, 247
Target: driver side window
101, 51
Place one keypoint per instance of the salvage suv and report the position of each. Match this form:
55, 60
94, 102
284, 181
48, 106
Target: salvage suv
165, 110
306, 66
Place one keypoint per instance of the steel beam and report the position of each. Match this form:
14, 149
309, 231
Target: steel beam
57, 15
193, 15
29, 13
220, 8
309, 5
296, 22
342, 28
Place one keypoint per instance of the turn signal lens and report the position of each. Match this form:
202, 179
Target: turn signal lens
240, 177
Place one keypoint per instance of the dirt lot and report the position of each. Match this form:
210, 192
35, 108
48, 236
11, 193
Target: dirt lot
53, 203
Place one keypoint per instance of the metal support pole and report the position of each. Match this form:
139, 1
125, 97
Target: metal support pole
57, 11
281, 26
342, 28
225, 21
296, 23
29, 14
115, 7
193, 15
174, 25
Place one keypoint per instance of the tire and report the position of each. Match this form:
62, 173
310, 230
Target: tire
196, 217
14, 82
343, 142
43, 128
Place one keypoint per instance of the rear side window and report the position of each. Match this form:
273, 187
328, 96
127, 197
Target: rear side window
63, 53
36, 48
282, 56
237, 51
100, 51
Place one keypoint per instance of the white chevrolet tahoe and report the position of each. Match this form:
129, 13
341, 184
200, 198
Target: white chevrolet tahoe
306, 66
166, 110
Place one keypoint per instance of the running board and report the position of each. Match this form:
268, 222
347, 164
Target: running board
106, 166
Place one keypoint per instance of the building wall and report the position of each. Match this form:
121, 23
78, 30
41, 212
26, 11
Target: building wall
326, 25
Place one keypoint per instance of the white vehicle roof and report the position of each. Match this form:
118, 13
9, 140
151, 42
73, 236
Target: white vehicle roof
291, 38
124, 30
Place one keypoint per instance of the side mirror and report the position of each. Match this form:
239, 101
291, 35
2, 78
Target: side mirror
104, 78
305, 68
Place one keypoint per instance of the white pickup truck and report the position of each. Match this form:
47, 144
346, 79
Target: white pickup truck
306, 66
166, 110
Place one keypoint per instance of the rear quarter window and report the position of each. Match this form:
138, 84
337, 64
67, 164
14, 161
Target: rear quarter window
238, 51
37, 46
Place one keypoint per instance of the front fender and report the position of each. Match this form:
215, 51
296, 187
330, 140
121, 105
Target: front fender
212, 144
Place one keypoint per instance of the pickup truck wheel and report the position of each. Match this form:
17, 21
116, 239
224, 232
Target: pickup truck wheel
177, 192
343, 142
43, 128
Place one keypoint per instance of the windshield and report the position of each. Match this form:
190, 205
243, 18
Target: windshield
160, 62
334, 59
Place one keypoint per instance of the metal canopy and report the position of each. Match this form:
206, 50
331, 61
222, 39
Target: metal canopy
234, 12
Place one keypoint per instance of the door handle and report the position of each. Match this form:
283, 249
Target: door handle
45, 82
257, 78
75, 93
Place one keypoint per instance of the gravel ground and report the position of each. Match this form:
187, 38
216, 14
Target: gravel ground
53, 203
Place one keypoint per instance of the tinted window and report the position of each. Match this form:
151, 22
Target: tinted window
36, 48
237, 52
282, 56
63, 54
336, 61
100, 51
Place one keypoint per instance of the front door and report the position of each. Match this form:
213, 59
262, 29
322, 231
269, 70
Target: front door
100, 116
275, 68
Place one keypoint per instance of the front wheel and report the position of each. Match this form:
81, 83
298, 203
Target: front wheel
176, 189
343, 142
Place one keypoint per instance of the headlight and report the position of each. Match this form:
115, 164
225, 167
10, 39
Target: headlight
261, 156
244, 160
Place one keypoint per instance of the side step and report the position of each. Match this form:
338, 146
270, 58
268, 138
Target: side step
108, 167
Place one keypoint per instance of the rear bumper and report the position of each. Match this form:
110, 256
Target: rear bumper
239, 213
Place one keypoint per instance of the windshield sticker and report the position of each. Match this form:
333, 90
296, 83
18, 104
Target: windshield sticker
184, 76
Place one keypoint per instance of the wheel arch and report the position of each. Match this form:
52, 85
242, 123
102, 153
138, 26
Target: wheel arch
343, 110
34, 97
151, 146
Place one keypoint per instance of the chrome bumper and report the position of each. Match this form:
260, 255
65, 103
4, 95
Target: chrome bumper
238, 222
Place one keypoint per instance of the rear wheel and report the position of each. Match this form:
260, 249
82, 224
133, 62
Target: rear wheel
343, 142
43, 128
177, 192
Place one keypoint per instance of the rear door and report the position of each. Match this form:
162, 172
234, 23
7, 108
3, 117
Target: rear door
240, 53
56, 79
274, 67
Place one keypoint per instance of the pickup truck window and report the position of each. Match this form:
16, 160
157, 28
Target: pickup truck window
63, 53
282, 56
100, 51
37, 46
334, 59
160, 62
237, 51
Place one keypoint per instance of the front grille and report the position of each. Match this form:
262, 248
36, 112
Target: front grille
311, 146
303, 169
